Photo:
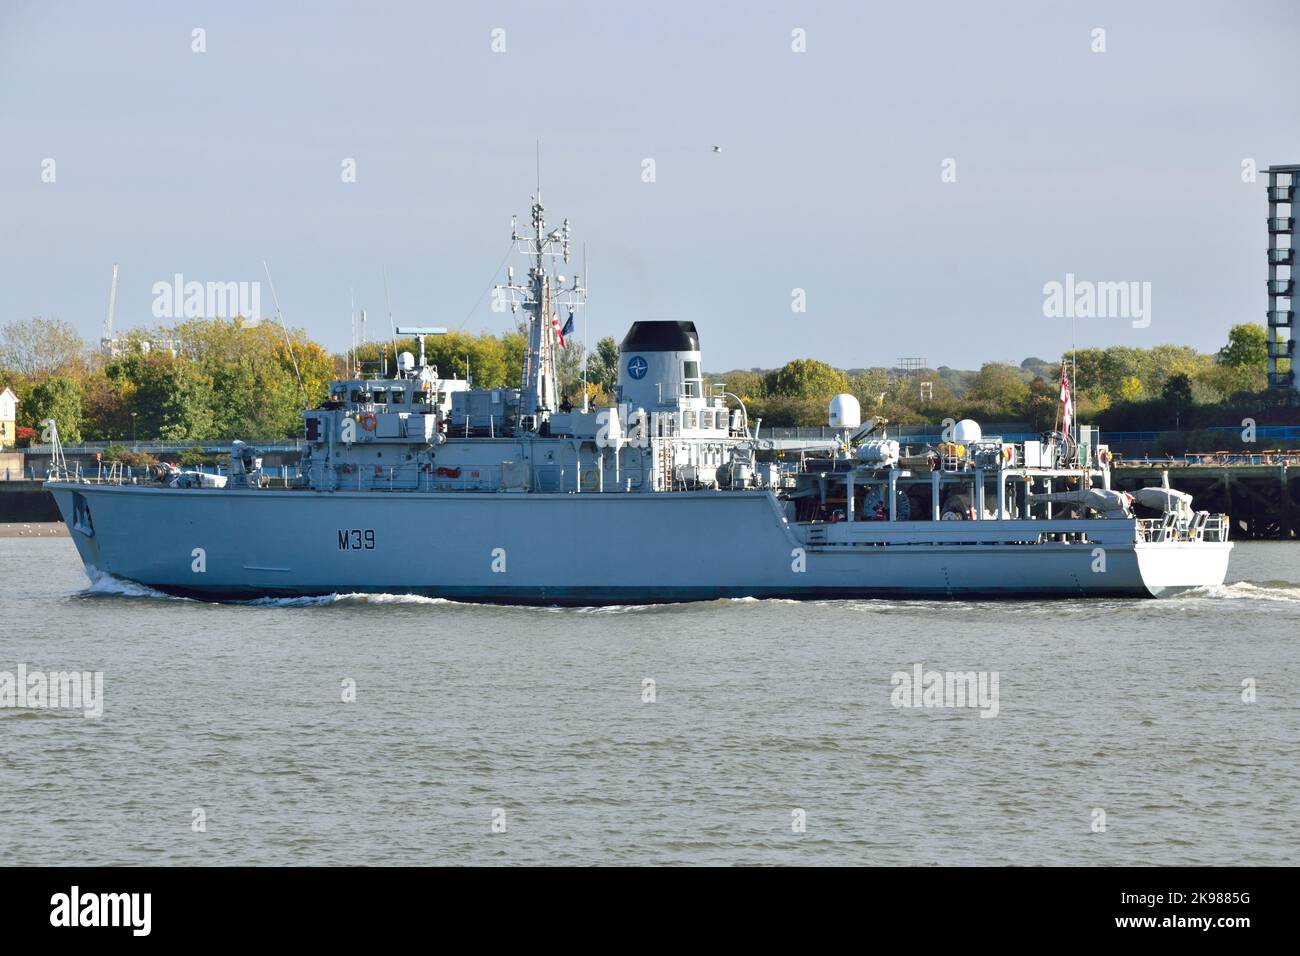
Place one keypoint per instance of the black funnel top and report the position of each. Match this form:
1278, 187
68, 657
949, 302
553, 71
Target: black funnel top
661, 337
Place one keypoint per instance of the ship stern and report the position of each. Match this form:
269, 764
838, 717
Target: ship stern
1175, 567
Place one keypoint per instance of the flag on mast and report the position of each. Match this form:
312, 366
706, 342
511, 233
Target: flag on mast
1067, 402
562, 331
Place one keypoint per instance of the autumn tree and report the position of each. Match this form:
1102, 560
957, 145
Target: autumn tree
37, 348
1041, 403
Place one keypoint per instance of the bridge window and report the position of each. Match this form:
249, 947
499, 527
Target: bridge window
381, 397
399, 396
691, 376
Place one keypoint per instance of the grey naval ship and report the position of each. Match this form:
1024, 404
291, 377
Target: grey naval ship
413, 483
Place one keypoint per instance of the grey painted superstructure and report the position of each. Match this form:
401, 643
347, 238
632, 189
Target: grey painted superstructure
414, 484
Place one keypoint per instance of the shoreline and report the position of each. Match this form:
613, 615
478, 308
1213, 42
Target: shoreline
33, 529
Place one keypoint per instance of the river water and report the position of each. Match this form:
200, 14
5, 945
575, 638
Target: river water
483, 735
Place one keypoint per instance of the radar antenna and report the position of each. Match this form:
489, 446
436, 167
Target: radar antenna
542, 297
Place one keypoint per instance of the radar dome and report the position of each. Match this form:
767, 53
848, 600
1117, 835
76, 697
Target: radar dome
845, 412
406, 361
967, 430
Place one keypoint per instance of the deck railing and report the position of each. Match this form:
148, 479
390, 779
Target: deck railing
1202, 526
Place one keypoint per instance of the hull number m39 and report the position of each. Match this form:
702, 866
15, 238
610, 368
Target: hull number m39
356, 539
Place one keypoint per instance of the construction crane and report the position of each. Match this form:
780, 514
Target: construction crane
106, 341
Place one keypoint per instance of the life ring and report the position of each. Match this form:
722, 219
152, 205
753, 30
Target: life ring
346, 469
590, 479
379, 470
369, 422
1008, 454
1104, 456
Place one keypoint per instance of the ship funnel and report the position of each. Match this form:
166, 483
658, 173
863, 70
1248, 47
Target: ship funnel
659, 364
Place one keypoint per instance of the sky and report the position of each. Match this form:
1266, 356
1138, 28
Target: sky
919, 171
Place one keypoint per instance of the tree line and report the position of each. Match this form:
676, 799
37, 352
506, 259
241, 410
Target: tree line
1116, 388
217, 379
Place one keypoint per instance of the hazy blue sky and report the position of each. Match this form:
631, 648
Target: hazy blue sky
1123, 165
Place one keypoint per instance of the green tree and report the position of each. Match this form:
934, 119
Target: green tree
1177, 395
1165, 361
1001, 386
908, 401
1247, 347
602, 365
1088, 370
569, 366
514, 346
458, 354
1121, 364
59, 399
807, 379
1241, 365
106, 414
870, 387
172, 398
255, 398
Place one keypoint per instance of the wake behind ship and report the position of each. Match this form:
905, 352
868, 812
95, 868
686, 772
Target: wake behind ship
420, 484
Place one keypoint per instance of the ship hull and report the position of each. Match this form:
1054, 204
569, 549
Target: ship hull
593, 549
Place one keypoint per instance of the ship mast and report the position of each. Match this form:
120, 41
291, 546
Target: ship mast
542, 298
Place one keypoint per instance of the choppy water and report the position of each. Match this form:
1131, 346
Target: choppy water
762, 707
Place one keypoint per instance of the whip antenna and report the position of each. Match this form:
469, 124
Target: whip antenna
279, 320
